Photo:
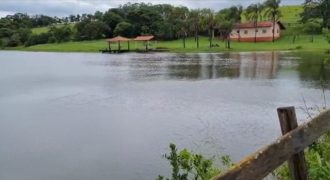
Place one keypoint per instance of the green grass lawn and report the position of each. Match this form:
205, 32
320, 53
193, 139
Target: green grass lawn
45, 29
40, 30
291, 14
285, 43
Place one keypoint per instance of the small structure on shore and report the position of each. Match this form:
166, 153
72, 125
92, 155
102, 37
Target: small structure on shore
118, 40
259, 32
145, 39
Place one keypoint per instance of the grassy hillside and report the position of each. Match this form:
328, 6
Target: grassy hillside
40, 30
291, 14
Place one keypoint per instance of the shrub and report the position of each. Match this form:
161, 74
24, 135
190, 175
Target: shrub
60, 34
52, 39
317, 158
187, 165
312, 27
38, 39
14, 40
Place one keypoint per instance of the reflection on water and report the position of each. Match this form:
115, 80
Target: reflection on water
206, 66
83, 116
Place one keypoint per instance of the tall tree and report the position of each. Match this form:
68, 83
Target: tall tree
253, 14
181, 23
226, 19
272, 11
208, 22
195, 23
317, 9
235, 14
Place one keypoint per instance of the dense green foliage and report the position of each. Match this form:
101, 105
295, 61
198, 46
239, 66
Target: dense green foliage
16, 29
187, 165
318, 161
317, 9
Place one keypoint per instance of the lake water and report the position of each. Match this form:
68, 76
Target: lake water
81, 116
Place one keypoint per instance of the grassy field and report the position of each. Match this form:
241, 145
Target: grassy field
291, 14
285, 43
40, 30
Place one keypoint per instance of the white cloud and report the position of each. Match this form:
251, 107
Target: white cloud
66, 7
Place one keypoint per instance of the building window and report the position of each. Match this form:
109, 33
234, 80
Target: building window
246, 32
264, 31
237, 31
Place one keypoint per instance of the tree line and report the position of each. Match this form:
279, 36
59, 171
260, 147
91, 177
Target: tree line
164, 21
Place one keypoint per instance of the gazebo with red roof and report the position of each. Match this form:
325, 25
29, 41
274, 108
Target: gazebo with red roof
145, 39
118, 39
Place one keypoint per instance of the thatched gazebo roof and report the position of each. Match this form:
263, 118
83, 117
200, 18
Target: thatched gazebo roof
118, 39
143, 38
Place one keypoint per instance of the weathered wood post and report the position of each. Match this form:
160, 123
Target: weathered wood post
297, 164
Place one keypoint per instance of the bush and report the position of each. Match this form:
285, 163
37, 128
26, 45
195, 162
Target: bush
4, 42
312, 27
124, 29
89, 30
52, 39
24, 34
38, 39
317, 158
14, 40
6, 32
60, 34
187, 165
327, 35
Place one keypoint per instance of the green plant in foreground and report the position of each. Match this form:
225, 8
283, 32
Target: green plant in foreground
318, 161
187, 165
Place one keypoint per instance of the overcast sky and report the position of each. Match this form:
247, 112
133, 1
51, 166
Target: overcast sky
67, 7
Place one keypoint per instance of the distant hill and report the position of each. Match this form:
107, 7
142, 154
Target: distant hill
291, 14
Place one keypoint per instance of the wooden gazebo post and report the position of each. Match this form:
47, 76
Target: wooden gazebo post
144, 39
118, 40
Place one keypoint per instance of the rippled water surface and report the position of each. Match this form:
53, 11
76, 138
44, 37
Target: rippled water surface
79, 116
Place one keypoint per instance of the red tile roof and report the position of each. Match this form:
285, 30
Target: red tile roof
259, 25
117, 39
144, 38
252, 25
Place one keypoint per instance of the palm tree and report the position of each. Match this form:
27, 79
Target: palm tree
194, 22
253, 14
226, 19
208, 22
181, 23
235, 14
272, 11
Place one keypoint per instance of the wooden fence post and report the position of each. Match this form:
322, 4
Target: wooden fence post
297, 164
